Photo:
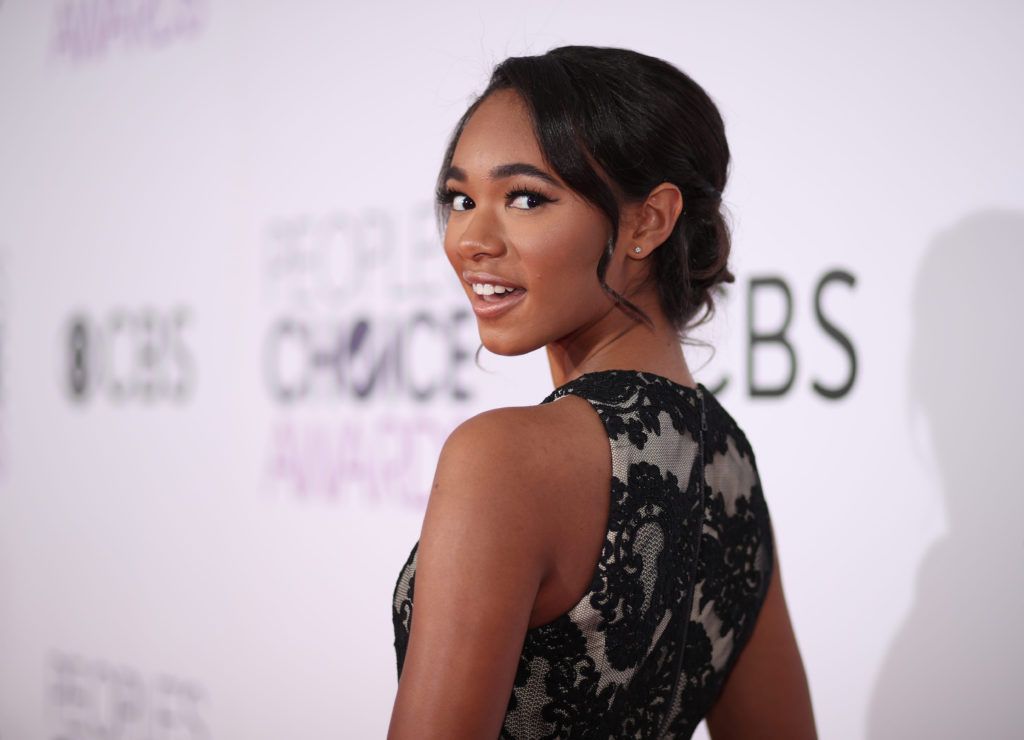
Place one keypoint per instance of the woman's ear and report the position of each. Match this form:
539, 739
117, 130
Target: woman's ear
655, 220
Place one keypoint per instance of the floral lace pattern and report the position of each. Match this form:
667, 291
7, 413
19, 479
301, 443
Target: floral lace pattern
678, 584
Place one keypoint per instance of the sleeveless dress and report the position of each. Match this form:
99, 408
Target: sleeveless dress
676, 589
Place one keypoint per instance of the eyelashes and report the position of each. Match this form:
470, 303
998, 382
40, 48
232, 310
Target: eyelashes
445, 196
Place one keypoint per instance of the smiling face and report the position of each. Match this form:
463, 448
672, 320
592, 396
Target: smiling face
514, 222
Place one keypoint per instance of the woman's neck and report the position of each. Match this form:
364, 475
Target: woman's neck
615, 341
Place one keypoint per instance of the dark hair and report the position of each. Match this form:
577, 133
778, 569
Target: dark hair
644, 122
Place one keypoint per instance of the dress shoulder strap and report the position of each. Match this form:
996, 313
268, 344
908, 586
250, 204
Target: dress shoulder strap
632, 403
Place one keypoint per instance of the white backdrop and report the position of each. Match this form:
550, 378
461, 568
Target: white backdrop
230, 345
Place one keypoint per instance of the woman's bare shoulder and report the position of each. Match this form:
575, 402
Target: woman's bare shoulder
544, 446
544, 471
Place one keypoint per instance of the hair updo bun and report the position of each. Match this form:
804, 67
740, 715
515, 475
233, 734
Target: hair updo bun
644, 122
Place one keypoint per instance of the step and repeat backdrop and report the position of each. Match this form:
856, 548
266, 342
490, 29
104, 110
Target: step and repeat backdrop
231, 346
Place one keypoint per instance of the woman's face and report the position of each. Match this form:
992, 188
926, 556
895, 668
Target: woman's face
514, 222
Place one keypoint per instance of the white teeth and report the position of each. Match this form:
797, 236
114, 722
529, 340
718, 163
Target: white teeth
489, 289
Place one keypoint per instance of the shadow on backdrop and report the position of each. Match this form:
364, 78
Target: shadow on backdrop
956, 666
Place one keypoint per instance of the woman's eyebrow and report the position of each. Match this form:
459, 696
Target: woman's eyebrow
505, 170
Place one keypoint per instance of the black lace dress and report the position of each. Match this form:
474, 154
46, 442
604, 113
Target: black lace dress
677, 588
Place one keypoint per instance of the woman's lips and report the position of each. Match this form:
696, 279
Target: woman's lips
492, 309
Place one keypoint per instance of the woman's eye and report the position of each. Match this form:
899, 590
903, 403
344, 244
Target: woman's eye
528, 200
458, 204
524, 201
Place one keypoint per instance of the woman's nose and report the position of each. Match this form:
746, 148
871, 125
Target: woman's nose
481, 236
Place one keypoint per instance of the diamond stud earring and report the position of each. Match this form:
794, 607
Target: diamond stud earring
637, 249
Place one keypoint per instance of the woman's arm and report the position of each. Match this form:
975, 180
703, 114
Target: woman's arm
480, 563
766, 696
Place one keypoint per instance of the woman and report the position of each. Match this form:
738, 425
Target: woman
562, 591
